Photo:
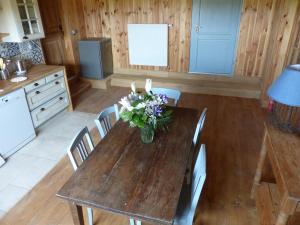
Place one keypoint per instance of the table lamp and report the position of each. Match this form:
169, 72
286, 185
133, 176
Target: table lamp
285, 95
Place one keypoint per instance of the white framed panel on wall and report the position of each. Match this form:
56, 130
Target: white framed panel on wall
148, 44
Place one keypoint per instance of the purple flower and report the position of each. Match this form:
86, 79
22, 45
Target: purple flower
157, 110
163, 98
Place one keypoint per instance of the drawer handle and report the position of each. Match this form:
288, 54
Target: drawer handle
61, 98
37, 92
43, 109
36, 84
57, 82
56, 75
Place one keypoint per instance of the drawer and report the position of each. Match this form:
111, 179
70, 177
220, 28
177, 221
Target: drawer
46, 92
49, 109
54, 76
34, 85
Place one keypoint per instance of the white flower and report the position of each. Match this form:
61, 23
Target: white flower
126, 104
141, 105
148, 85
133, 87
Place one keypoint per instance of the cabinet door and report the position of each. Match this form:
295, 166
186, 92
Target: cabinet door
30, 19
53, 43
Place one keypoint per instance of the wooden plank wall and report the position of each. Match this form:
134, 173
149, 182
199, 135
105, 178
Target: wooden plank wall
294, 57
109, 18
284, 25
253, 38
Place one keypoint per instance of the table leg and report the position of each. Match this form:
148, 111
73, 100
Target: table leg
77, 214
258, 174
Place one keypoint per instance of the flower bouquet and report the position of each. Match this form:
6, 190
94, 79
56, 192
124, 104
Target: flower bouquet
146, 111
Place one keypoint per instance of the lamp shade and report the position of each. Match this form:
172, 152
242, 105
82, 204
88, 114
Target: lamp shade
286, 89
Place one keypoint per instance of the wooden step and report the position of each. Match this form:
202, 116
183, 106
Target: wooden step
78, 86
224, 87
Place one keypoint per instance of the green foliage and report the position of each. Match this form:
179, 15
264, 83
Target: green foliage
137, 116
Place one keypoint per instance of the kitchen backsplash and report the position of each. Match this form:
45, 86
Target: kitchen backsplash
31, 50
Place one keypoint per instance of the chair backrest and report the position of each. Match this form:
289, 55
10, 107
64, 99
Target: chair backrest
199, 176
170, 93
81, 147
199, 127
104, 119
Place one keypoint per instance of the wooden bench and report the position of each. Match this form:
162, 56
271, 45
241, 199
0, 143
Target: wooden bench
276, 185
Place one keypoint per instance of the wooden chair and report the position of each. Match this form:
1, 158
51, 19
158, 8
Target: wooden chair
135, 222
190, 194
170, 93
104, 120
199, 127
81, 147
196, 138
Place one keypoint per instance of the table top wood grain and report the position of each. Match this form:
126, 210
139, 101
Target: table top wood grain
143, 181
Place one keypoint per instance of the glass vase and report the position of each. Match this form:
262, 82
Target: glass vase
147, 134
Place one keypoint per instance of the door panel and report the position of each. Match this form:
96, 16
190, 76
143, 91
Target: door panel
50, 15
215, 54
53, 43
53, 46
214, 33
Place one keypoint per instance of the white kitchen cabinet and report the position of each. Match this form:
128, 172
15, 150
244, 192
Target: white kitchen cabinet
45, 93
46, 111
21, 20
46, 97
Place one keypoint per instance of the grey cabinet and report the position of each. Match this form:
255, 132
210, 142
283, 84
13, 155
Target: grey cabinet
96, 58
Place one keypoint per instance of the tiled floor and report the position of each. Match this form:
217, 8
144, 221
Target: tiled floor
29, 165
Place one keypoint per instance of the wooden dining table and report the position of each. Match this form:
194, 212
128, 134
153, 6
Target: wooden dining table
141, 181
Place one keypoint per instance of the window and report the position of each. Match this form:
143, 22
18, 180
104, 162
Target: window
28, 16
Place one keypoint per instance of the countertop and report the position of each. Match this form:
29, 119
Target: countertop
34, 73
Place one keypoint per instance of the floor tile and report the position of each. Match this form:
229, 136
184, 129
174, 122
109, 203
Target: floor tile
2, 213
10, 195
30, 164
33, 173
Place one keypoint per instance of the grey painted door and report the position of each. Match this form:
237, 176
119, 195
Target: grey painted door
215, 25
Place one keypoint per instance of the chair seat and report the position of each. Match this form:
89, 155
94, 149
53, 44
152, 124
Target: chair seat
183, 208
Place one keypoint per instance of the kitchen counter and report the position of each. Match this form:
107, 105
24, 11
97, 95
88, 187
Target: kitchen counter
34, 73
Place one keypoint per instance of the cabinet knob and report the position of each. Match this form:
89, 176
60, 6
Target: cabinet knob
25, 38
61, 98
57, 82
43, 109
56, 75
36, 84
37, 92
